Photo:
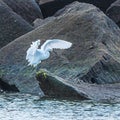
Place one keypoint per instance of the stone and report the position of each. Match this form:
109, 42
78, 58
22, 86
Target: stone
114, 12
39, 22
57, 87
7, 88
11, 25
27, 9
50, 8
90, 66
44, 1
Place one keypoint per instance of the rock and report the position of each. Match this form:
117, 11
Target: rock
28, 9
114, 12
6, 87
39, 22
44, 1
50, 8
11, 25
90, 66
57, 87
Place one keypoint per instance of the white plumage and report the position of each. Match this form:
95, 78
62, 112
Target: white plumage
35, 55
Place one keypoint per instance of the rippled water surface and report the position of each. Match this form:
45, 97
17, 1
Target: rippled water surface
27, 107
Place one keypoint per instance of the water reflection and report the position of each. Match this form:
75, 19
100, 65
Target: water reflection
17, 106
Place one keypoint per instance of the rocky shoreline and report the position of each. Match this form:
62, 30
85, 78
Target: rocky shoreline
90, 69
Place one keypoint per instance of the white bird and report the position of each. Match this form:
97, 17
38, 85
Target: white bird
35, 56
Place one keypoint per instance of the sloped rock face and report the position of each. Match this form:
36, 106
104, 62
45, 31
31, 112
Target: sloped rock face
57, 87
103, 71
114, 12
28, 9
93, 58
11, 25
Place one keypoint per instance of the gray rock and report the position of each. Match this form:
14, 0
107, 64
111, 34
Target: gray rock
39, 22
7, 87
28, 9
44, 1
90, 66
114, 12
57, 87
50, 7
11, 25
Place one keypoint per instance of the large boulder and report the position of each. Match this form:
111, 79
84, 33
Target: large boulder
11, 25
89, 67
28, 9
114, 12
49, 8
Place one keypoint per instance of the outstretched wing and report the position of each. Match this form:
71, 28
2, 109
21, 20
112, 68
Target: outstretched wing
55, 44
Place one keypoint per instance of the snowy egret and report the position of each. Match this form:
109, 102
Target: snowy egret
35, 55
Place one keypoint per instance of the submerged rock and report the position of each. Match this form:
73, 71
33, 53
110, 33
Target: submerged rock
28, 9
11, 25
114, 12
90, 66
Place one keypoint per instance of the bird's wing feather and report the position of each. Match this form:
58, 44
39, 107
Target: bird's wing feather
30, 53
33, 47
55, 44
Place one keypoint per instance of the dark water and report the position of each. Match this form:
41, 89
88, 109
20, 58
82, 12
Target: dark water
26, 107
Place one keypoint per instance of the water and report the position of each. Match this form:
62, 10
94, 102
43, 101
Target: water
17, 106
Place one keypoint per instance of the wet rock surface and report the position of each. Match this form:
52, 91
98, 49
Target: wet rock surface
90, 66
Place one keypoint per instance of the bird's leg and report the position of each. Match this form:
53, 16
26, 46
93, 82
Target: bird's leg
23, 68
31, 68
37, 68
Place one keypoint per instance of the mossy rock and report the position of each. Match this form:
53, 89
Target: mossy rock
54, 86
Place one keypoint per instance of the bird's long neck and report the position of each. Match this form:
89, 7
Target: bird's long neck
34, 49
